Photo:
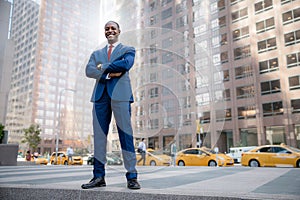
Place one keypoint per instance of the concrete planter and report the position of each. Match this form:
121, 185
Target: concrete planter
8, 154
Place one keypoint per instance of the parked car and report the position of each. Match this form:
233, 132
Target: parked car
62, 159
111, 159
272, 156
41, 160
202, 157
236, 152
155, 158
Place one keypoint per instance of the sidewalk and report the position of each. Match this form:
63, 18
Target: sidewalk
63, 182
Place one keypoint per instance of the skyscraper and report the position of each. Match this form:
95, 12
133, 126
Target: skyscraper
53, 40
6, 52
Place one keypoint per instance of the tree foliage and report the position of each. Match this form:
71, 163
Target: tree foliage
1, 131
32, 136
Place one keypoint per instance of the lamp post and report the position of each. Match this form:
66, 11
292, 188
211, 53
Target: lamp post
58, 126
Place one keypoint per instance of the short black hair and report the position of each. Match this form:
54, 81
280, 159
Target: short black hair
114, 23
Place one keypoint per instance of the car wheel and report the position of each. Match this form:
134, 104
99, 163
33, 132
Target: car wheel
253, 163
212, 163
66, 163
181, 163
152, 163
298, 164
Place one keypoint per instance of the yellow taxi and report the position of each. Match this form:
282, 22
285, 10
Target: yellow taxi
154, 158
272, 156
41, 160
62, 159
202, 157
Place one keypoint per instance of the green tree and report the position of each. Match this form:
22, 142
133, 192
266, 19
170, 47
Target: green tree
1, 132
32, 136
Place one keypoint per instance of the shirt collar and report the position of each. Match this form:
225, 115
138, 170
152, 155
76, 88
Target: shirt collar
114, 44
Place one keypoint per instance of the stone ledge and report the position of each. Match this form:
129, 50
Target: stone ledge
13, 193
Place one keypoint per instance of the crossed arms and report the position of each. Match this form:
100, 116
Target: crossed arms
115, 69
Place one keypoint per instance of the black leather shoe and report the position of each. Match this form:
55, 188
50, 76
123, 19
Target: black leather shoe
133, 184
95, 182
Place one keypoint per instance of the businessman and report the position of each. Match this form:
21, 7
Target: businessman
112, 93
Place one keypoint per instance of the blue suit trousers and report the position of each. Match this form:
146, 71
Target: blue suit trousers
102, 113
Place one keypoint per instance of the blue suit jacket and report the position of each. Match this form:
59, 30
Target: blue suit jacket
121, 60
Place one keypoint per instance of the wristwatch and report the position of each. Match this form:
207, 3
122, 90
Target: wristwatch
99, 66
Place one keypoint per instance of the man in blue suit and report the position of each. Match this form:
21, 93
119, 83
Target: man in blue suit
112, 93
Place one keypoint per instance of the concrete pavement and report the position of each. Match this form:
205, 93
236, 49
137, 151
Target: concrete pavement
63, 182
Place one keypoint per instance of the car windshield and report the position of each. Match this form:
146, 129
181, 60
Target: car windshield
156, 152
209, 150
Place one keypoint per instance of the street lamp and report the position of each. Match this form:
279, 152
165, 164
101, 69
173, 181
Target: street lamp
58, 126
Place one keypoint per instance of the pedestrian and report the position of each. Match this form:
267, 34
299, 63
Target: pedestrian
70, 153
28, 156
112, 93
173, 152
142, 151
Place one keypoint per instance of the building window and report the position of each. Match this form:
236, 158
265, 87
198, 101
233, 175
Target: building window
245, 92
153, 19
167, 57
291, 16
286, 1
266, 45
167, 27
295, 103
202, 99
223, 115
181, 7
294, 82
153, 5
205, 118
221, 5
202, 81
270, 87
265, 25
167, 42
240, 33
181, 21
263, 6
293, 60
239, 15
154, 108
292, 38
154, 124
247, 112
153, 92
224, 57
226, 95
268, 66
166, 13
153, 77
242, 52
273, 108
232, 2
152, 48
222, 21
243, 71
225, 75
223, 39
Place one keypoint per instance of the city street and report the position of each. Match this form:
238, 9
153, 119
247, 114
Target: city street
63, 182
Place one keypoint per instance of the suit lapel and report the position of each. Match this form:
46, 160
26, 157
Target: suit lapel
117, 52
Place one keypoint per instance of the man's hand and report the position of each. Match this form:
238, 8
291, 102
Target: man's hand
111, 75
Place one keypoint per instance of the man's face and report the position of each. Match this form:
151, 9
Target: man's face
112, 32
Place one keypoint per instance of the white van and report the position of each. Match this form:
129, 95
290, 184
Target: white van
236, 152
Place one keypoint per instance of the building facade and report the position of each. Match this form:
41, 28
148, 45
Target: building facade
6, 52
53, 40
254, 47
